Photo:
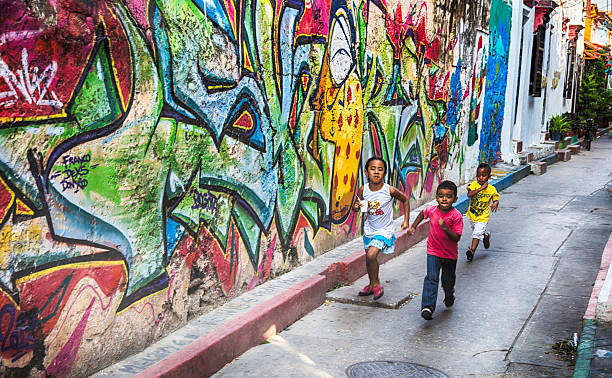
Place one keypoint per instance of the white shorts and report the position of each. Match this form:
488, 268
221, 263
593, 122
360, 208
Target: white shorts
479, 229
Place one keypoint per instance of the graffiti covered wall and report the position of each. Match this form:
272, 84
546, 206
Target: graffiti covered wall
496, 74
160, 157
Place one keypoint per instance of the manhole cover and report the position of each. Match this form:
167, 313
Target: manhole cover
391, 369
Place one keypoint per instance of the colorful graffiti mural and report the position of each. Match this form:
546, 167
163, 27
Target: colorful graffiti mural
153, 150
497, 75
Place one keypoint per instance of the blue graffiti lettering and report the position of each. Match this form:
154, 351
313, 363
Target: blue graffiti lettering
74, 171
16, 336
204, 201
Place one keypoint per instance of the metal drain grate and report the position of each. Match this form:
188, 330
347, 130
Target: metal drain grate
391, 302
388, 369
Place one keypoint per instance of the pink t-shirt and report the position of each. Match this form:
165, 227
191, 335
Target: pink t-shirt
438, 243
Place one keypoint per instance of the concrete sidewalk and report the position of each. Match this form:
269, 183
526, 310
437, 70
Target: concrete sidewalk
207, 343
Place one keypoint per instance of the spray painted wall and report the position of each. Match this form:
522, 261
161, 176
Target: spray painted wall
500, 24
160, 157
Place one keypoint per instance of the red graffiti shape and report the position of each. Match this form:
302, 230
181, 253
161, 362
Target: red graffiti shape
43, 56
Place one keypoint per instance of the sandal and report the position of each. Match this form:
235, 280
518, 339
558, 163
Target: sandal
378, 292
366, 291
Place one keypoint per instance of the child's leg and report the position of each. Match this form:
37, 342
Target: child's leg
449, 267
469, 254
372, 265
430, 283
486, 241
478, 231
474, 244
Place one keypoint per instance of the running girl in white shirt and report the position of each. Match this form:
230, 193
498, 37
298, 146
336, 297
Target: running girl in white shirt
379, 233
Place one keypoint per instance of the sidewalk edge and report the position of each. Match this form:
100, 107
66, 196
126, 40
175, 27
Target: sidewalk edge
606, 258
582, 368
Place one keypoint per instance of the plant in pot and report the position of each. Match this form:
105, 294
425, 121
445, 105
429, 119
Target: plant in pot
558, 126
574, 124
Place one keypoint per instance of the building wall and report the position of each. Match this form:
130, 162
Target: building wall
533, 113
599, 34
525, 123
159, 158
557, 69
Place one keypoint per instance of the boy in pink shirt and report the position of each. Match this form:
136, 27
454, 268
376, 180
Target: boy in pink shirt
445, 228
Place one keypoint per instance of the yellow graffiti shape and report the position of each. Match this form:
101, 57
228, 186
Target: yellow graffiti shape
7, 198
341, 121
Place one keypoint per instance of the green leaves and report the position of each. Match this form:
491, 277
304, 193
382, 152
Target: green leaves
594, 99
559, 124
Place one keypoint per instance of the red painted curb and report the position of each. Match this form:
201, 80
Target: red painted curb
606, 258
208, 354
354, 267
333, 273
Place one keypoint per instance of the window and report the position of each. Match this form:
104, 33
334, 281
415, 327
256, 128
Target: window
537, 59
569, 74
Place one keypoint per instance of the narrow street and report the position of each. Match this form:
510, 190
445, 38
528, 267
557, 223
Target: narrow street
514, 301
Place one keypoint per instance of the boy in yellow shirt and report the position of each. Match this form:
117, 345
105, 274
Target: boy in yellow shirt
480, 194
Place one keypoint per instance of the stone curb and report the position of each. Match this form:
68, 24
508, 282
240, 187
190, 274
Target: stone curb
208, 354
603, 309
582, 368
606, 258
587, 336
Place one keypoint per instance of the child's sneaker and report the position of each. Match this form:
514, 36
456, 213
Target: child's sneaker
486, 240
378, 292
426, 313
366, 291
469, 254
449, 301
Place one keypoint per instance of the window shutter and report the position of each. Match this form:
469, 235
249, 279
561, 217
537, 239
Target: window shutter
569, 75
537, 60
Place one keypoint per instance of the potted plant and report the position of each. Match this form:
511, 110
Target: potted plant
558, 126
574, 122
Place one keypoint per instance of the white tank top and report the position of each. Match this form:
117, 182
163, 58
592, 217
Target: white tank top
379, 219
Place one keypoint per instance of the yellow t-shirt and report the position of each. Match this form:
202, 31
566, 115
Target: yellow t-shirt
479, 203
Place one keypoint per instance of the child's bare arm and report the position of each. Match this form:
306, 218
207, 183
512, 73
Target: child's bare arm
406, 203
472, 193
494, 205
357, 205
416, 222
451, 234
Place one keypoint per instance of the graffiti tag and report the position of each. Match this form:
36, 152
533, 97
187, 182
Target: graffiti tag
74, 171
29, 84
204, 201
15, 334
